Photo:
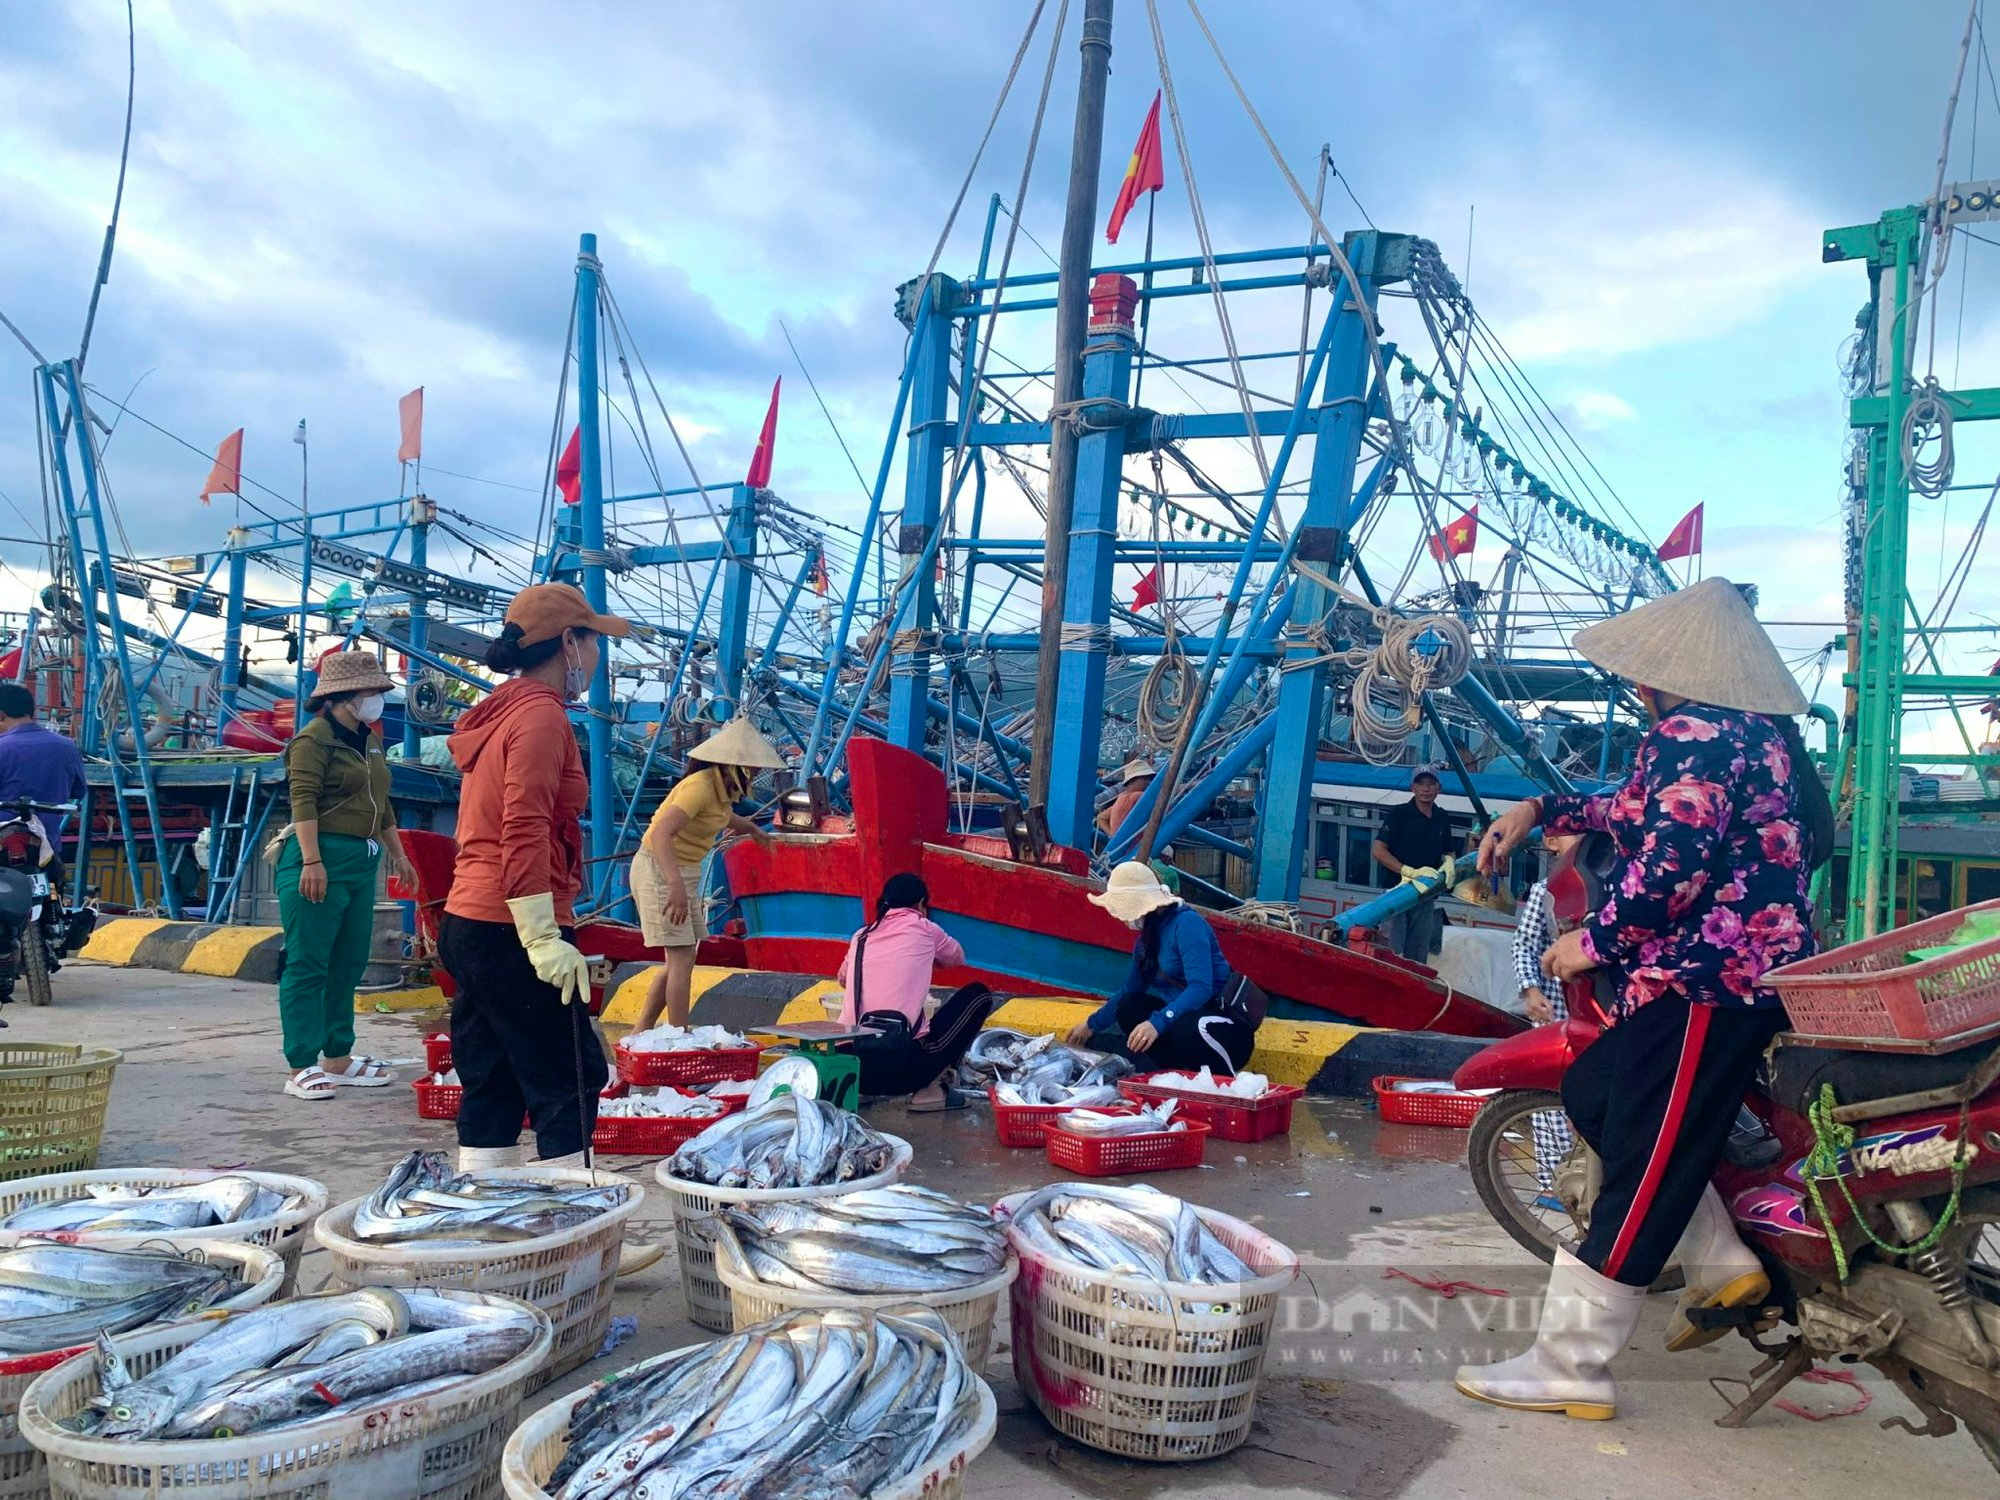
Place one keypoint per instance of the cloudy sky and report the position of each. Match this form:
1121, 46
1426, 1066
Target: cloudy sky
328, 205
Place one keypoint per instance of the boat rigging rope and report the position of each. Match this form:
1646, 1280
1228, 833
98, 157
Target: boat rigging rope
1928, 421
1020, 54
1207, 246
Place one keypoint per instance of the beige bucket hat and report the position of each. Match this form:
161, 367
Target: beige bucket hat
738, 743
1132, 891
349, 672
1701, 643
1133, 769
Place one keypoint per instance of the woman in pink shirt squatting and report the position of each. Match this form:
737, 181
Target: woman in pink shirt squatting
887, 976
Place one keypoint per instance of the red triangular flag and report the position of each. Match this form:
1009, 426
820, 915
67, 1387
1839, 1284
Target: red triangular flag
1147, 590
1459, 538
1685, 539
226, 478
569, 469
411, 410
759, 477
1145, 173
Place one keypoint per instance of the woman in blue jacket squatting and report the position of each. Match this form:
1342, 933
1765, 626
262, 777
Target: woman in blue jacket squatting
1180, 1005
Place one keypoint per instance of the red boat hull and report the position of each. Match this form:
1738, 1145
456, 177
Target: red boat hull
1030, 929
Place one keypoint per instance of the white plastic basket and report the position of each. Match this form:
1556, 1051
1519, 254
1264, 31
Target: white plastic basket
284, 1231
568, 1274
1146, 1369
538, 1445
694, 1205
23, 1475
442, 1447
969, 1310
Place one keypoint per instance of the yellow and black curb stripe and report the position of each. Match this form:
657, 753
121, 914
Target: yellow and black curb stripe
1324, 1057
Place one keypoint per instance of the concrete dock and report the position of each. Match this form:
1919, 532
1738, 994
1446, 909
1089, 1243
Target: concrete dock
1357, 1399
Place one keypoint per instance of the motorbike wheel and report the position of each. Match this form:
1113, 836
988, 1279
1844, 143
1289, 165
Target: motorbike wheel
1507, 1171
34, 963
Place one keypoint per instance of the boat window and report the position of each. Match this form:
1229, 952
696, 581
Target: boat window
1930, 888
1982, 883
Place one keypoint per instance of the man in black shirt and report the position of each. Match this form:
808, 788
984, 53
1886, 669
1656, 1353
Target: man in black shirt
1415, 835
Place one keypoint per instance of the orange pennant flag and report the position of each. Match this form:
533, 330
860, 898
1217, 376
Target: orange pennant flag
411, 409
1459, 538
569, 469
759, 477
226, 478
1145, 173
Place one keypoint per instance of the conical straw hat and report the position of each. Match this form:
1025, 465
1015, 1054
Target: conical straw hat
1701, 643
738, 743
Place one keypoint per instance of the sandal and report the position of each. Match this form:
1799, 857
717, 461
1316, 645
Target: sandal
953, 1099
362, 1073
311, 1083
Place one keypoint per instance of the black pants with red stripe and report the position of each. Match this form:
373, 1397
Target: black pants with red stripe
1655, 1097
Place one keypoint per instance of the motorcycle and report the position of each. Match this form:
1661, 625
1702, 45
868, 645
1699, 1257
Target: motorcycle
36, 932
1914, 1202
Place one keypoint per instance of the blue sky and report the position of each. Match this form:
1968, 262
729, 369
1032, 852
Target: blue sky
329, 205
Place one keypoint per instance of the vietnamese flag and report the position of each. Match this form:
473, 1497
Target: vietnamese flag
569, 469
1147, 590
1685, 539
759, 477
226, 478
1145, 173
1459, 538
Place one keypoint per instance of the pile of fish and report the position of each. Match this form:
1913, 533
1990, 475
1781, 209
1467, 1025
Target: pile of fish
1130, 1230
425, 1199
880, 1240
786, 1142
1041, 1070
293, 1361
815, 1406
679, 1039
59, 1296
659, 1104
1231, 1086
1139, 1119
114, 1208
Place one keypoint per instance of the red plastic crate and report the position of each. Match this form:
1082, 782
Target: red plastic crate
1452, 1111
438, 1101
1241, 1120
681, 1069
1125, 1155
618, 1137
1022, 1124
1865, 992
437, 1053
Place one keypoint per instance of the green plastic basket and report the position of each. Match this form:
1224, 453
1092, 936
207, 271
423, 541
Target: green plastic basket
52, 1101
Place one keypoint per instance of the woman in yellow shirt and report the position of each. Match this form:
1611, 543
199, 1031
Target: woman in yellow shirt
666, 872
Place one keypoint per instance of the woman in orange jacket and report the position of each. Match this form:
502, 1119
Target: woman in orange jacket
518, 1038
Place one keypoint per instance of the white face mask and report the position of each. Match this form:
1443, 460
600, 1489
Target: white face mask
369, 709
575, 678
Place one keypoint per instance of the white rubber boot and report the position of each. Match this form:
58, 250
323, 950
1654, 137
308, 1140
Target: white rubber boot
1721, 1271
487, 1158
574, 1159
1586, 1320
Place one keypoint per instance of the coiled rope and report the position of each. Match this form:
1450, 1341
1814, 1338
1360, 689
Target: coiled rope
1831, 1141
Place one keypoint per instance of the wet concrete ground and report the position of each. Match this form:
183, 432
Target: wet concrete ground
1357, 1398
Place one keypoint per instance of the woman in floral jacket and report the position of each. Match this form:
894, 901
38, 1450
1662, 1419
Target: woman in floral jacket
1718, 829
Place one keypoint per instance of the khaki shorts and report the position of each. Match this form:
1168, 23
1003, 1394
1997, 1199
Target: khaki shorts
649, 894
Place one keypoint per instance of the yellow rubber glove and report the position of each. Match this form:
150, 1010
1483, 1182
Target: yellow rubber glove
1413, 873
557, 962
1445, 875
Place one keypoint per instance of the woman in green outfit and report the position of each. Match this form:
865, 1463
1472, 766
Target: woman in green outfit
341, 823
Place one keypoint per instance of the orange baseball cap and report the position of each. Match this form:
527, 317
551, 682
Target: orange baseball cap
546, 610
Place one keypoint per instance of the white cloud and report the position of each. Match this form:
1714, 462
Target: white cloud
1597, 410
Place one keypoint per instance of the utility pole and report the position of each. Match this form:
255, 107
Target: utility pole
1072, 306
